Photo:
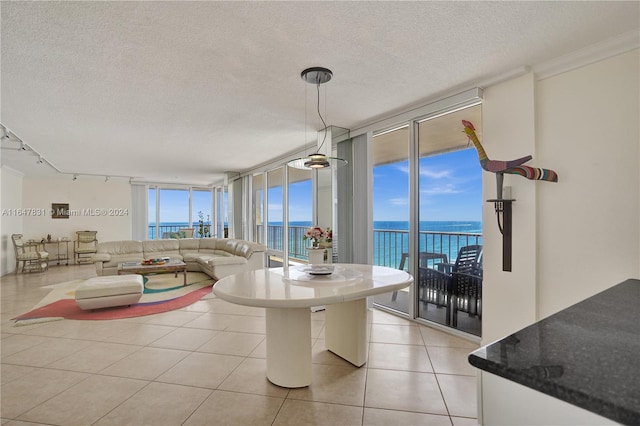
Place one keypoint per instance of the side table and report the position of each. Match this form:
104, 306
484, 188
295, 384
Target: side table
60, 255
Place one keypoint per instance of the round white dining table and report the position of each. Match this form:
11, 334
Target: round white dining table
289, 293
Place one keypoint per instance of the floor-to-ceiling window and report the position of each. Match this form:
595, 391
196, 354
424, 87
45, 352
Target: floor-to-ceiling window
221, 212
450, 222
258, 207
152, 214
391, 208
300, 196
201, 212
275, 211
437, 226
173, 209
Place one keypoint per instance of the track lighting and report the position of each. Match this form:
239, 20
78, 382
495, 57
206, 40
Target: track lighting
40, 160
75, 177
23, 146
106, 178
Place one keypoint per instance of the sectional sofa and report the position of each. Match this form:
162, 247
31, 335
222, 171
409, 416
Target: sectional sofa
217, 257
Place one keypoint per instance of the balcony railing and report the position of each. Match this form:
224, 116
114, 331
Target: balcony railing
389, 245
163, 229
297, 245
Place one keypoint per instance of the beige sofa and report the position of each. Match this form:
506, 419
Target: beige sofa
215, 257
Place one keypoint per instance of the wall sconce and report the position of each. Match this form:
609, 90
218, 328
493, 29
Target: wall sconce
502, 208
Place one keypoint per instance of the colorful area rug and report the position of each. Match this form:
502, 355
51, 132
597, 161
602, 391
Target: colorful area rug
162, 293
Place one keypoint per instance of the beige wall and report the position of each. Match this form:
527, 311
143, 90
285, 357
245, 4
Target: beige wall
88, 198
588, 125
11, 222
508, 133
579, 236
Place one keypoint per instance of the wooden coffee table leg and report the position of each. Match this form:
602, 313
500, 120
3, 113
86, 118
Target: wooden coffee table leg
185, 276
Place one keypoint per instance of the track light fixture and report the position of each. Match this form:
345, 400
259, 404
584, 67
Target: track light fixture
75, 177
40, 160
106, 178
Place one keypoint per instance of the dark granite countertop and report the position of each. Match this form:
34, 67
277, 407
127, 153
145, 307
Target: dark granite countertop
587, 354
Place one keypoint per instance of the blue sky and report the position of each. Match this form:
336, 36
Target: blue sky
174, 205
450, 189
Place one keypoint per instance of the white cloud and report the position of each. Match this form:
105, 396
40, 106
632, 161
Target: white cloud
428, 172
435, 174
439, 190
398, 201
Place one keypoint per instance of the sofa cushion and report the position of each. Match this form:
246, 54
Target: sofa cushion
191, 256
208, 244
212, 261
120, 247
161, 248
189, 245
246, 248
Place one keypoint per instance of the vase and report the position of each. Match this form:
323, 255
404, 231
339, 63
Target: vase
316, 255
328, 254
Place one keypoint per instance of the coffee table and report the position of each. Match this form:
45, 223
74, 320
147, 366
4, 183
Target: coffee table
138, 268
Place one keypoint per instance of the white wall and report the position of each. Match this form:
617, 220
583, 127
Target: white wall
12, 223
85, 197
588, 126
581, 235
509, 298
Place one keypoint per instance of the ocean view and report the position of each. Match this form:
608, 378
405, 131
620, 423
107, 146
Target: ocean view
391, 238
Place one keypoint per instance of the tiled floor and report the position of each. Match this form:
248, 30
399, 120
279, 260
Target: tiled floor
205, 365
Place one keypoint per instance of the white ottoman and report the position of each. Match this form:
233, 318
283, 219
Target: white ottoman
109, 291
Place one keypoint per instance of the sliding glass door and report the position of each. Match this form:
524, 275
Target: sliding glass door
275, 202
428, 234
300, 202
450, 222
391, 209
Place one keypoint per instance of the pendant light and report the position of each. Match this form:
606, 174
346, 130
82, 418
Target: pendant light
317, 76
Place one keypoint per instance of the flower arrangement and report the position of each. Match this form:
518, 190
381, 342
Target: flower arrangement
316, 234
203, 226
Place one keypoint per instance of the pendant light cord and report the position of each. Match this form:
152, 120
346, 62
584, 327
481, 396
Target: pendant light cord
322, 119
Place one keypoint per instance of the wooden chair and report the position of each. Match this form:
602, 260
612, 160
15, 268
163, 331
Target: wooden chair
33, 256
85, 246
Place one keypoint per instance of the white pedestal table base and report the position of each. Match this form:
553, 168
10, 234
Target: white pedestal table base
289, 346
346, 331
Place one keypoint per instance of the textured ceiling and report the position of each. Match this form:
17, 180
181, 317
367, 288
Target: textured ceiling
184, 91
